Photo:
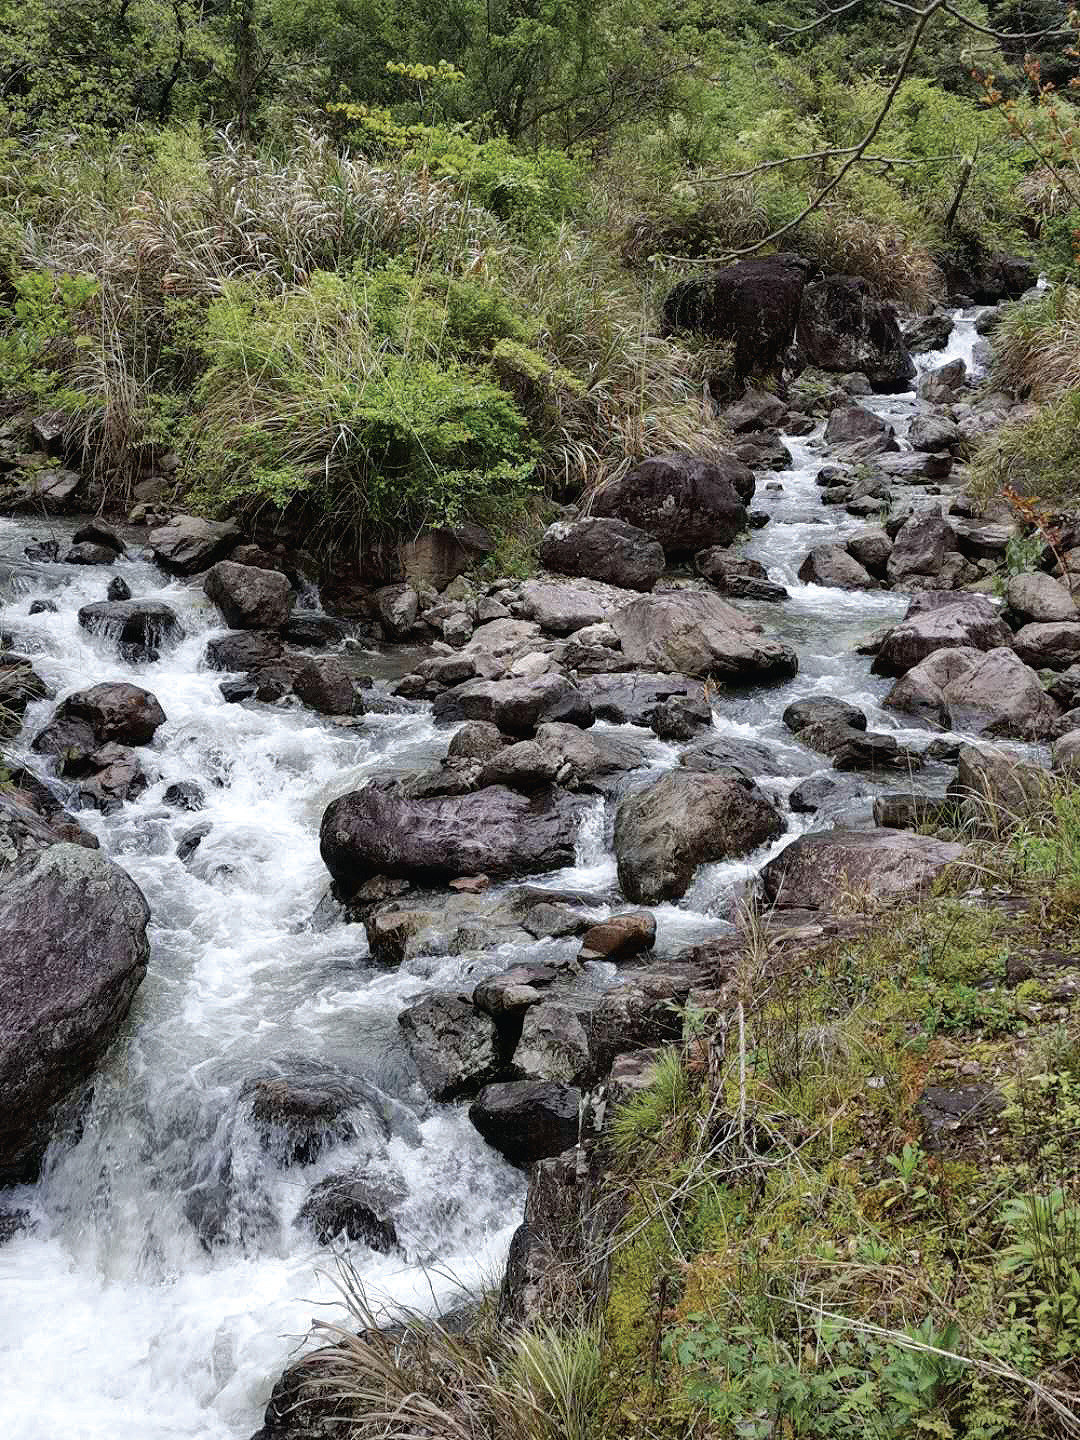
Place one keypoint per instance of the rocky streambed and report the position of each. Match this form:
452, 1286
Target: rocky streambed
417, 879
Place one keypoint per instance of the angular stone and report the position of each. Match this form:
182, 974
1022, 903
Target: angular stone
249, 598
684, 502
455, 1046
603, 548
823, 870
188, 544
527, 1120
694, 632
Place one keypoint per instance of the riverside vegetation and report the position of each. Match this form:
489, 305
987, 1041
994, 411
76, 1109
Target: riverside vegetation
485, 330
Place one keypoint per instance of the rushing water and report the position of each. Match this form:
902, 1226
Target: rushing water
116, 1322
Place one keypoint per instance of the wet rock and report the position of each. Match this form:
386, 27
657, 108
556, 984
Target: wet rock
516, 706
928, 332
940, 623
322, 683
664, 831
811, 794
527, 1120
843, 328
685, 503
306, 627
859, 430
185, 795
1052, 645
1064, 689
19, 685
248, 597
908, 810
680, 718
940, 386
191, 839
115, 711
99, 532
620, 938
965, 688
983, 540
851, 748
140, 628
236, 692
45, 607
118, 589
833, 566
933, 433
63, 1002
31, 819
188, 544
553, 1046
822, 870
603, 548
304, 1107
755, 410
398, 609
561, 607
1035, 598
455, 1046
524, 766
694, 632
87, 553
754, 305
513, 991
242, 650
750, 758
631, 699
354, 1205
994, 786
920, 547
737, 576
51, 491
379, 830
871, 548
821, 710
476, 740
115, 777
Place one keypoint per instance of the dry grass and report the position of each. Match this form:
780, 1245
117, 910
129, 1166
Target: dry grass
895, 266
1037, 345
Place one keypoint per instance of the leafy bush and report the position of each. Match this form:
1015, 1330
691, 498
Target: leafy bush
330, 397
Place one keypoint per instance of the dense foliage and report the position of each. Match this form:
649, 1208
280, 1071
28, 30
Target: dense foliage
368, 263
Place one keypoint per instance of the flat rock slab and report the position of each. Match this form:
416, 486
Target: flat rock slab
694, 632
827, 869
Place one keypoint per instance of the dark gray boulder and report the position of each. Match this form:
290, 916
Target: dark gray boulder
456, 1047
187, 544
695, 632
355, 1205
632, 699
322, 683
527, 1120
753, 305
87, 553
139, 628
73, 951
940, 622
824, 869
842, 327
249, 597
832, 565
735, 575
664, 831
821, 709
242, 650
684, 502
516, 707
603, 548
116, 711
379, 830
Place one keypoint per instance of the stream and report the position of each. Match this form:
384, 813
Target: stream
118, 1322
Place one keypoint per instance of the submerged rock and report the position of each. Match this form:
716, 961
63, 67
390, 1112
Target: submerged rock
138, 627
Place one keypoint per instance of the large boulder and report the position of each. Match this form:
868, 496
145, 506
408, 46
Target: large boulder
516, 706
824, 870
139, 628
19, 685
73, 951
562, 606
1035, 598
436, 557
248, 597
115, 711
694, 632
933, 433
993, 786
1051, 645
830, 565
920, 547
527, 1120
322, 683
859, 432
51, 491
843, 328
633, 699
683, 502
965, 688
737, 575
455, 1046
355, 1205
753, 305
242, 650
602, 548
940, 621
188, 544
379, 830
664, 831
